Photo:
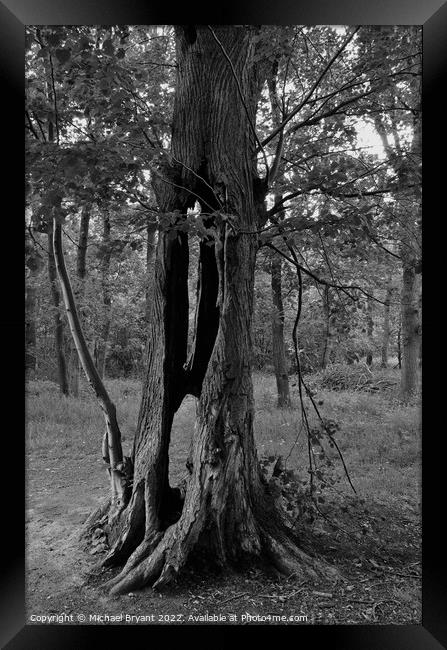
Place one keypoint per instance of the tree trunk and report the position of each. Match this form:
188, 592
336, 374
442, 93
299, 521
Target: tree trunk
410, 327
119, 467
369, 330
34, 266
151, 229
58, 322
81, 272
104, 330
227, 512
326, 346
278, 345
410, 298
386, 325
30, 329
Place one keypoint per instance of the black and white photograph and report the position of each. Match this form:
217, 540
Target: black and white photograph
223, 324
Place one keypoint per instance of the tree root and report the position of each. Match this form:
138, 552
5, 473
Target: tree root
124, 536
159, 557
290, 560
144, 566
154, 557
96, 519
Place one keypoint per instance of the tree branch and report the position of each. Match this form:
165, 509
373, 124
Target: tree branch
312, 90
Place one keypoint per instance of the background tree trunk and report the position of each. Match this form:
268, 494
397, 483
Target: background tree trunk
104, 329
386, 325
369, 330
58, 322
119, 467
410, 326
79, 290
34, 266
278, 345
327, 335
410, 329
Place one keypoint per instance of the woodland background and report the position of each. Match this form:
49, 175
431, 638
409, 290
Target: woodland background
343, 311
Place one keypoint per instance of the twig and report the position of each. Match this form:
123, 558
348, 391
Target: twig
227, 600
310, 93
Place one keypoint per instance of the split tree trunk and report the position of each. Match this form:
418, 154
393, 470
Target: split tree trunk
226, 511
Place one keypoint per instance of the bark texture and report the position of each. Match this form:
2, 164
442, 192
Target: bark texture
407, 166
278, 345
104, 329
369, 329
119, 467
59, 339
327, 334
386, 325
410, 342
34, 265
224, 508
79, 290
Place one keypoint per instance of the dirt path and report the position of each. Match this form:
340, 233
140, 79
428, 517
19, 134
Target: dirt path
62, 492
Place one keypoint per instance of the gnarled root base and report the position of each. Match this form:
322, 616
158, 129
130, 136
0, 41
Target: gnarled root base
154, 558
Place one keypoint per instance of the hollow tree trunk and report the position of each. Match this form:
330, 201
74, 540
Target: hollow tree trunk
278, 345
227, 511
57, 318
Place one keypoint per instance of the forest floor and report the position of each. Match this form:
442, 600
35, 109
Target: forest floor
372, 537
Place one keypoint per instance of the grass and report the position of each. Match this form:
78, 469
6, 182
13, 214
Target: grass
379, 436
374, 538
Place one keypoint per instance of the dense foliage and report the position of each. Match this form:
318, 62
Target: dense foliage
344, 203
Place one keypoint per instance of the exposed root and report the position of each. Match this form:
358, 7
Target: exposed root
158, 559
144, 567
289, 560
96, 519
124, 536
154, 557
